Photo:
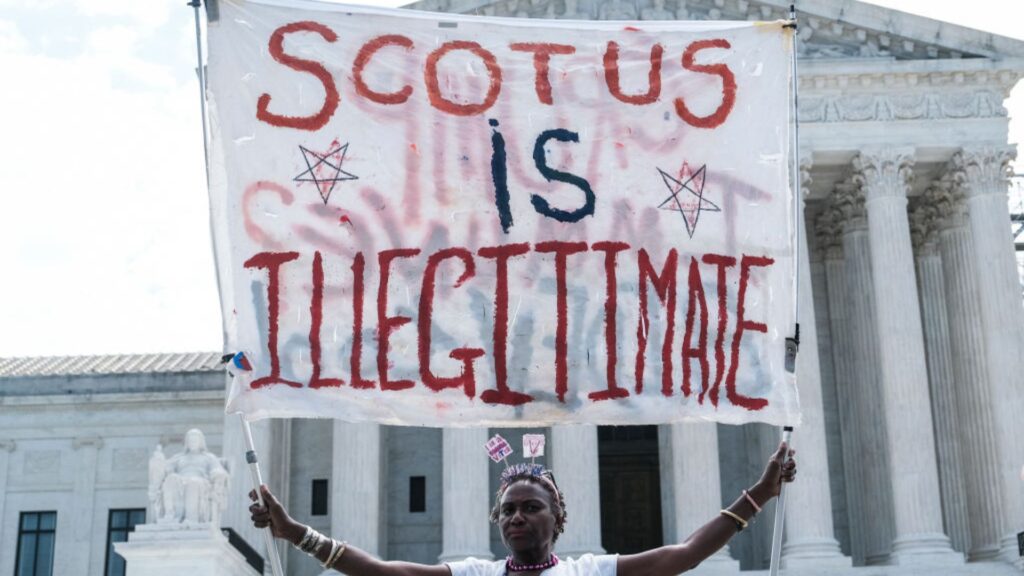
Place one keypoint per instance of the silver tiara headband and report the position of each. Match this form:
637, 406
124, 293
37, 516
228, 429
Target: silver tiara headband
522, 469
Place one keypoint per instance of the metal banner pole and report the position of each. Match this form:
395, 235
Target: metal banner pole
250, 455
257, 481
792, 344
201, 71
780, 513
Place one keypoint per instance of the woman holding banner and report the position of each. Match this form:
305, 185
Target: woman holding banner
530, 512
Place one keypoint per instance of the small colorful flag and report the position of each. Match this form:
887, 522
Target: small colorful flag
241, 362
498, 448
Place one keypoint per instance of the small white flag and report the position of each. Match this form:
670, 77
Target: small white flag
533, 445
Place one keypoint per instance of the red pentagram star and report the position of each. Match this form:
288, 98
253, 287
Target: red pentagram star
324, 170
690, 209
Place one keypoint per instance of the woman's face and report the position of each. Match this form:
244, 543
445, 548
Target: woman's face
527, 518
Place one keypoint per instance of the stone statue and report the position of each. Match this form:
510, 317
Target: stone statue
657, 11
434, 6
157, 465
617, 10
871, 49
572, 11
189, 487
683, 14
523, 8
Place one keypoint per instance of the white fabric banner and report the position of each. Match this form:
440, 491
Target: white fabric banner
442, 220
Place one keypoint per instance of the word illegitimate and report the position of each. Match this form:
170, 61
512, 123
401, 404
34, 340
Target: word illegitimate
713, 308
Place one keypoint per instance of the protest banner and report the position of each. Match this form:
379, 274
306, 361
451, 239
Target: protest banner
442, 220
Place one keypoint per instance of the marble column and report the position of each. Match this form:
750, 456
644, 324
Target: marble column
465, 530
970, 371
885, 175
697, 486
84, 502
939, 357
871, 463
573, 454
810, 538
6, 447
830, 400
829, 228
356, 482
1002, 316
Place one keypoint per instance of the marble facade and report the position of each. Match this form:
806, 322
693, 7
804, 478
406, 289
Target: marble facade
77, 441
911, 371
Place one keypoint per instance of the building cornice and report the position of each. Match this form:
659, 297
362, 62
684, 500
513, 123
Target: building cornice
108, 364
193, 396
868, 92
891, 106
910, 27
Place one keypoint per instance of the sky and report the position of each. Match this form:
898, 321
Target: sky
104, 228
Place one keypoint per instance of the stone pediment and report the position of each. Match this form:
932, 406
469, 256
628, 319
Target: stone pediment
829, 29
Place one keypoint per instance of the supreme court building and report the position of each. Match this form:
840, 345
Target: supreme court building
911, 369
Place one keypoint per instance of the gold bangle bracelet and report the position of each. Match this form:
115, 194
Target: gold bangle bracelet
740, 522
335, 555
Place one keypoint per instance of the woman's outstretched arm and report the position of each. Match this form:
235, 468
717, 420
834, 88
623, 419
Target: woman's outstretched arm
709, 538
353, 561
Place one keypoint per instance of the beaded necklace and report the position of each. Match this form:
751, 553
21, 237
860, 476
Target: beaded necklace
512, 566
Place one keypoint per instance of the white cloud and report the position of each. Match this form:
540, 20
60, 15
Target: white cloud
145, 14
113, 40
11, 39
113, 51
36, 4
105, 214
